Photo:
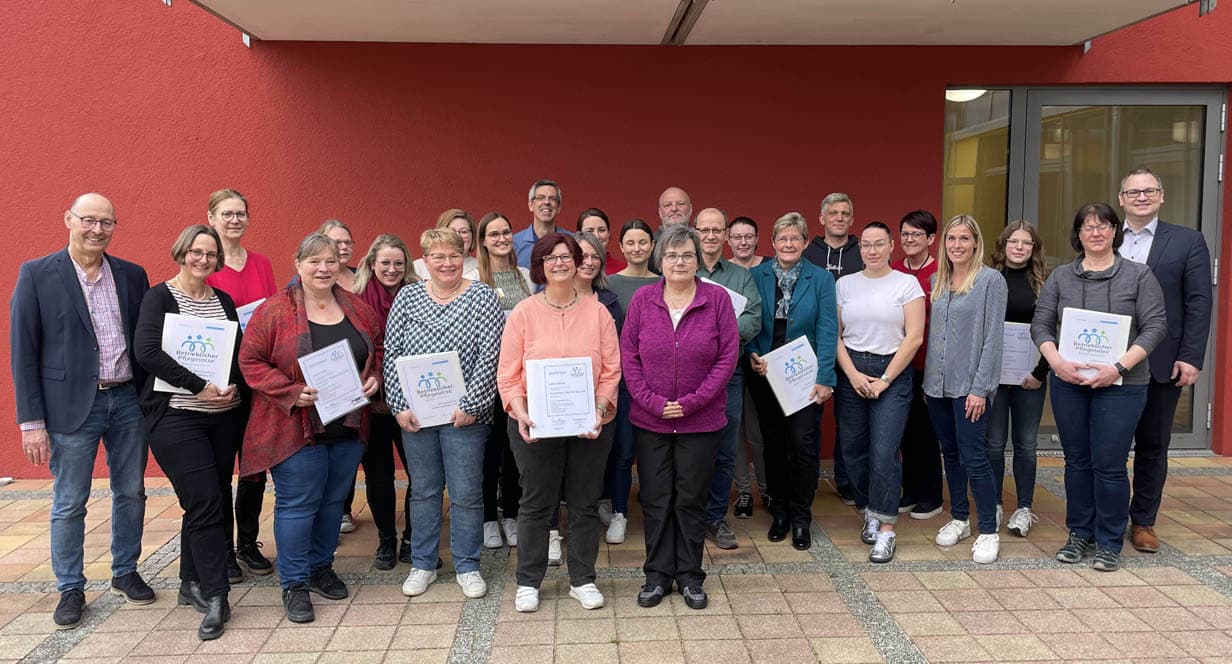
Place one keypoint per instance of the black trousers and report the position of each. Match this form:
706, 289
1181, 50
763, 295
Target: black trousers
792, 450
499, 466
921, 452
197, 451
1151, 440
674, 471
579, 464
378, 462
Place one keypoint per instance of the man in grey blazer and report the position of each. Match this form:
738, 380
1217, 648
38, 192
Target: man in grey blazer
1181, 262
72, 318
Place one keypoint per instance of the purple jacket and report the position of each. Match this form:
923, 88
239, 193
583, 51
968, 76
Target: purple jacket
690, 364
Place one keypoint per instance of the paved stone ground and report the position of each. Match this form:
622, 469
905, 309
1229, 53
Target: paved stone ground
768, 602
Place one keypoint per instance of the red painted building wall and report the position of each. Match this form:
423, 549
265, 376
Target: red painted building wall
156, 107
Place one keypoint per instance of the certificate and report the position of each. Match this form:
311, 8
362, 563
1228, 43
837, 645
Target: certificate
204, 346
245, 312
433, 386
738, 301
332, 372
791, 370
560, 396
1019, 355
1093, 337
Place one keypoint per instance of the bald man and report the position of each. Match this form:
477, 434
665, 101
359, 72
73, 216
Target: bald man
675, 206
73, 313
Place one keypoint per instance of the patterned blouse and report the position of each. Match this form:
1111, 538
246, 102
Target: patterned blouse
471, 325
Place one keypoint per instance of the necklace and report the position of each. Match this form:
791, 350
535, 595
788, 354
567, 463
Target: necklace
320, 305
178, 286
561, 307
447, 296
915, 271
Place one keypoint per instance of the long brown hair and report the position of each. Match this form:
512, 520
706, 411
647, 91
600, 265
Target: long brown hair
485, 258
1036, 273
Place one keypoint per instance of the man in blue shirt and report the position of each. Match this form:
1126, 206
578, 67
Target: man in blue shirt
544, 202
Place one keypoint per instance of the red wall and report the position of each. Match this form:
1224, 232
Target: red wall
157, 107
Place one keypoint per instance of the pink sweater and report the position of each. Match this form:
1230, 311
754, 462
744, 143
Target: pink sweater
252, 283
535, 331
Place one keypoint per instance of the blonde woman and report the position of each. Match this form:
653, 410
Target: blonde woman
461, 222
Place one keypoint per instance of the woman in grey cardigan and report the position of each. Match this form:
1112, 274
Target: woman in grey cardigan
1095, 417
961, 374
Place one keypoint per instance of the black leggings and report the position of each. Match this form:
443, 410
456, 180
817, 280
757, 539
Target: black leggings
378, 465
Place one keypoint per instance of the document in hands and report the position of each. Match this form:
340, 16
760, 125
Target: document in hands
433, 386
332, 372
1019, 355
245, 312
791, 370
204, 346
738, 301
560, 396
1093, 337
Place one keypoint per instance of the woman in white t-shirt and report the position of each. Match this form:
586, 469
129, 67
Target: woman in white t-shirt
880, 326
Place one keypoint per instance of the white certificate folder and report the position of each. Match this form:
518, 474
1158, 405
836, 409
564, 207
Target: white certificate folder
433, 386
791, 370
204, 346
560, 396
1093, 337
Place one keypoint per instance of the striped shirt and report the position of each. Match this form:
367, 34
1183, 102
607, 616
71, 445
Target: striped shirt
104, 305
210, 308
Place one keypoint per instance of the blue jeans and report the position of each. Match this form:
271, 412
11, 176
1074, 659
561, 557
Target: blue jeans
870, 437
309, 488
620, 459
1024, 407
1096, 428
725, 453
116, 418
439, 456
966, 461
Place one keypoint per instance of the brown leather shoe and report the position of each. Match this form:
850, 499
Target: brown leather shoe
1143, 538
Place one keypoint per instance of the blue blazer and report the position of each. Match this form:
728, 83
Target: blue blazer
813, 313
52, 340
1182, 264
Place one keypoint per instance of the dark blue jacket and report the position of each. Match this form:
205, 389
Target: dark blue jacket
813, 313
1182, 265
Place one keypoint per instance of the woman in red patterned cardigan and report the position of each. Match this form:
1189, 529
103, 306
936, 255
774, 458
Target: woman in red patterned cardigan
313, 464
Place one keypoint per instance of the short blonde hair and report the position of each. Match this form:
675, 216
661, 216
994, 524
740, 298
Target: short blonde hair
791, 220
441, 236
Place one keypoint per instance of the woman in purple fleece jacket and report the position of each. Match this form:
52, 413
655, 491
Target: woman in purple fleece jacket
678, 349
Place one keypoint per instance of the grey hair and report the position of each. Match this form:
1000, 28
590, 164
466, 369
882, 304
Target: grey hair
791, 220
545, 183
314, 244
600, 280
329, 225
837, 197
1142, 171
673, 236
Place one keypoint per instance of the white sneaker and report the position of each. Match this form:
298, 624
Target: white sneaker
492, 535
1000, 518
605, 511
1021, 521
616, 529
986, 548
510, 526
473, 585
526, 600
588, 596
347, 525
417, 582
953, 531
554, 556
871, 528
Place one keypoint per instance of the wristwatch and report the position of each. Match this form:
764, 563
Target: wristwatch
1121, 369
885, 378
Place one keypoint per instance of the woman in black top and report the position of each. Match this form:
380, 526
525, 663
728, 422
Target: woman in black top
1019, 256
195, 435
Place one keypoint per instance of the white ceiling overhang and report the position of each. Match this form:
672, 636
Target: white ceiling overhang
689, 22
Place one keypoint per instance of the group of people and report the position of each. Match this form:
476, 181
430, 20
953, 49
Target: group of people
677, 337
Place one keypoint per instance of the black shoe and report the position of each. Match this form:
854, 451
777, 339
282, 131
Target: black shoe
651, 595
68, 611
743, 509
214, 622
386, 552
778, 530
249, 555
326, 583
765, 500
132, 588
404, 553
694, 597
439, 563
801, 538
923, 511
844, 493
190, 595
235, 573
297, 603
906, 504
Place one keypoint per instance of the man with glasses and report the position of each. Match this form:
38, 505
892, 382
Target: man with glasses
544, 202
712, 227
73, 314
1179, 258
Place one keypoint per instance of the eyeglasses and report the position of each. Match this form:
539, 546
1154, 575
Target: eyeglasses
1092, 229
686, 257
743, 238
1149, 192
495, 235
879, 245
710, 231
913, 235
1024, 243
445, 258
552, 259
90, 222
541, 198
197, 255
789, 238
228, 215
